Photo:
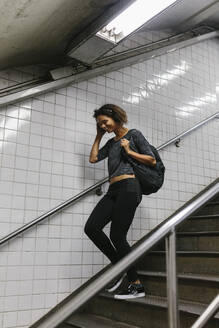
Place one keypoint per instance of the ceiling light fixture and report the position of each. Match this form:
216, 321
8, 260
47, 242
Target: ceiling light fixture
132, 18
120, 27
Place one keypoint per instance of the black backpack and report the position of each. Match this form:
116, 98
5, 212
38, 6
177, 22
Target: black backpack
151, 178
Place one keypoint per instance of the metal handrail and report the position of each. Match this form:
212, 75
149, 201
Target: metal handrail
78, 298
51, 212
207, 314
73, 199
216, 115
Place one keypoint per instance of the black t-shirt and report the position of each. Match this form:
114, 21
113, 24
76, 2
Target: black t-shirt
117, 164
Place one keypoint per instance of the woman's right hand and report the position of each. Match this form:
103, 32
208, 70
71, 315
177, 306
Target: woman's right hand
100, 132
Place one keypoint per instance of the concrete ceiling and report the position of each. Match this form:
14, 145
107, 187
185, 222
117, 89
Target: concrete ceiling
40, 31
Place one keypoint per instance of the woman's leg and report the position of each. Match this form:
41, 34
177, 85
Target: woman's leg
100, 216
123, 214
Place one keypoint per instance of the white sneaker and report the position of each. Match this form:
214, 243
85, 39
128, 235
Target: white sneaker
132, 291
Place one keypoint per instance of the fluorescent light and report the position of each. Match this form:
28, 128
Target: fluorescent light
133, 17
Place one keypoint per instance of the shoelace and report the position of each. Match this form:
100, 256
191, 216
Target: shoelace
133, 286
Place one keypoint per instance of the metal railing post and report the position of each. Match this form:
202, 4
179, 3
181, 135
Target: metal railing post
172, 285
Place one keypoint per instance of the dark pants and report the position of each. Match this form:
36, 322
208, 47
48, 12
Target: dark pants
118, 206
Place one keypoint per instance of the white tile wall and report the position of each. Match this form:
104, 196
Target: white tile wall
45, 144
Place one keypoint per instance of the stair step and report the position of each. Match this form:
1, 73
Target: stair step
204, 277
186, 253
203, 216
194, 241
197, 288
149, 309
210, 208
215, 198
196, 262
198, 241
213, 203
198, 233
200, 223
187, 306
87, 320
66, 325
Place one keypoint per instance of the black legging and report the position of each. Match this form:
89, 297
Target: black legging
119, 206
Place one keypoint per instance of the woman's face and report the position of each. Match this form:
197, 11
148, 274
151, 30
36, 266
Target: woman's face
107, 123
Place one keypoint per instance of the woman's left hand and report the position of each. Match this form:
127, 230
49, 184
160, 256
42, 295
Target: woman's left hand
125, 144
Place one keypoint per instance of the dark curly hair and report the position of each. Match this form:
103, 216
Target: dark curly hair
115, 112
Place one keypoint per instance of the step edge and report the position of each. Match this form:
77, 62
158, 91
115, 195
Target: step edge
212, 203
180, 276
186, 252
184, 306
203, 216
88, 316
198, 233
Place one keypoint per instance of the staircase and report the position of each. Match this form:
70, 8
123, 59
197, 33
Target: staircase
198, 281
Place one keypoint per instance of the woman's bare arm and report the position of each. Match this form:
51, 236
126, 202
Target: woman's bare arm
146, 159
95, 147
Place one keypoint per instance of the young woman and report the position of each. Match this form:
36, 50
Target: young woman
123, 196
